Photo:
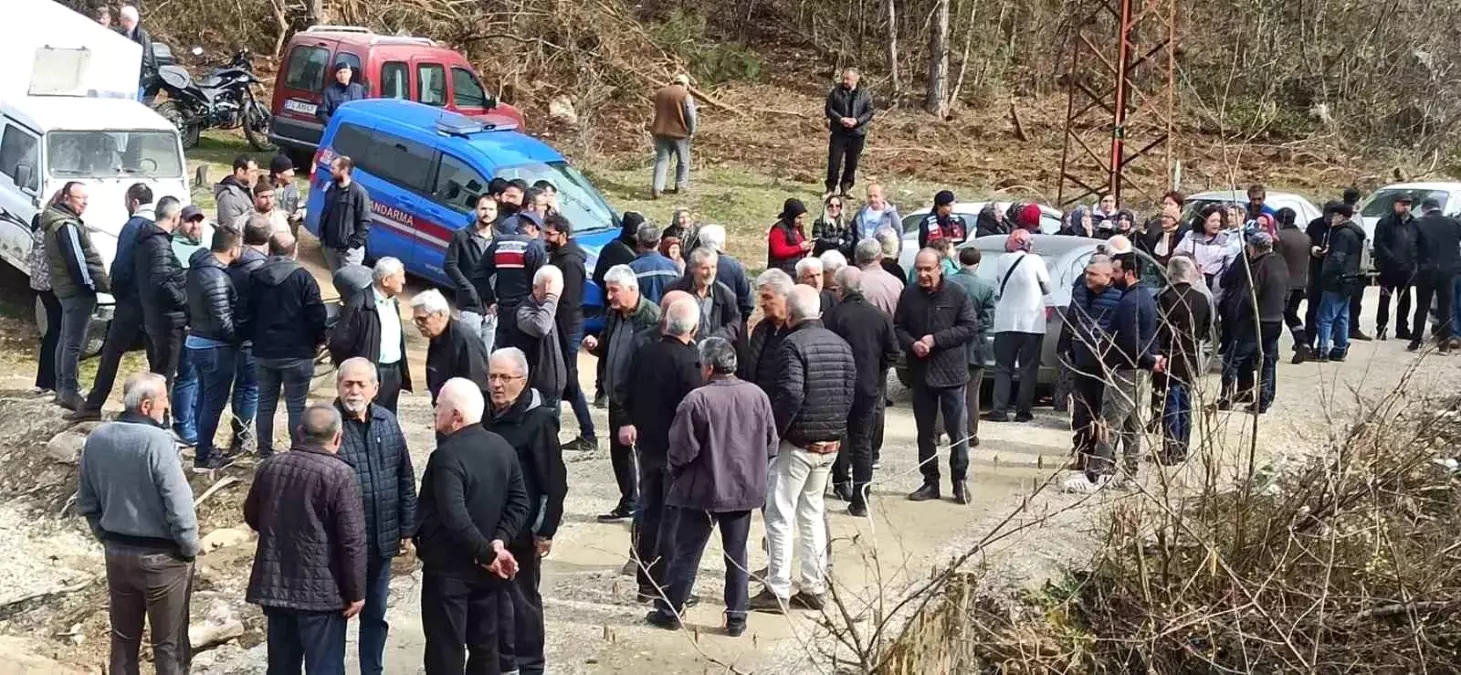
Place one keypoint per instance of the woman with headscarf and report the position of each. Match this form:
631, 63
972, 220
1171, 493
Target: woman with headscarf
786, 242
833, 231
1125, 222
671, 245
990, 222
1080, 223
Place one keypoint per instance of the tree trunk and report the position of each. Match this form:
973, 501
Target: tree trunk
964, 59
893, 46
938, 62
316, 12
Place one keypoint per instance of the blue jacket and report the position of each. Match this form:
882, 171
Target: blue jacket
732, 273
655, 273
1088, 323
336, 96
1135, 331
124, 289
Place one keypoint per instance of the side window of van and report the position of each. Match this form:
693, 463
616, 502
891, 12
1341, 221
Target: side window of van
403, 162
18, 148
457, 184
431, 84
356, 74
466, 90
354, 142
306, 68
395, 80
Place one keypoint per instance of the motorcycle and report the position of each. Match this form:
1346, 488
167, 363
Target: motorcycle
223, 99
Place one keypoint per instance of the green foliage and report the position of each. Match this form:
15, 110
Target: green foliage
711, 60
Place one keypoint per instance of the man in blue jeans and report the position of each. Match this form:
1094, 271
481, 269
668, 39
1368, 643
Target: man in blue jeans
565, 254
212, 346
285, 318
1339, 274
372, 443
252, 256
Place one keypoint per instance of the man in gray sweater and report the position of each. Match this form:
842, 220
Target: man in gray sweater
137, 501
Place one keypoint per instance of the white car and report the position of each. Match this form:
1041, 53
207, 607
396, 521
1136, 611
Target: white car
1382, 202
1049, 224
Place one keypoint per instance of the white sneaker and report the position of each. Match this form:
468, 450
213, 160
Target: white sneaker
1079, 484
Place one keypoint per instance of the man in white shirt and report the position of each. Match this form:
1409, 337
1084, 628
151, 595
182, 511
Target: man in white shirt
1019, 325
370, 327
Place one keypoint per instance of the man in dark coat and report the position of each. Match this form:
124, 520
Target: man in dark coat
868, 331
462, 263
340, 92
519, 415
473, 505
1338, 277
719, 316
1318, 231
565, 254
1293, 246
849, 109
759, 365
162, 288
309, 570
454, 350
935, 322
345, 218
662, 373
729, 271
212, 343
1267, 291
255, 252
619, 251
284, 316
1437, 265
537, 334
375, 447
721, 439
1185, 321
811, 397
1395, 256
370, 326
1087, 326
130, 23
125, 328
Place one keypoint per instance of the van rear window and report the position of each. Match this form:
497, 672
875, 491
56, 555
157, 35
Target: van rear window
306, 68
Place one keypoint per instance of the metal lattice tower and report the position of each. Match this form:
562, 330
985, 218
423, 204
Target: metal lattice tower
1121, 99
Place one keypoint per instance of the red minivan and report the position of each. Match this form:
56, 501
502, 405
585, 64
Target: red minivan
389, 66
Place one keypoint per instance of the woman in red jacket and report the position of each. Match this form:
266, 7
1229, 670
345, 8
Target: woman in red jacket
787, 243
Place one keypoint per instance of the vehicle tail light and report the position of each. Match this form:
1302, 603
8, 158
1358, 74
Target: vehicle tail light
322, 156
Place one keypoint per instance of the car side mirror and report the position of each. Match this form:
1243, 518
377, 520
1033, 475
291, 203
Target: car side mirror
491, 101
23, 175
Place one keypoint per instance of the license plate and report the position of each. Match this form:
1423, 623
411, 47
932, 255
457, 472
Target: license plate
300, 107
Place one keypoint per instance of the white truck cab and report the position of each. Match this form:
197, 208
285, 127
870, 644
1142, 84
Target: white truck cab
69, 112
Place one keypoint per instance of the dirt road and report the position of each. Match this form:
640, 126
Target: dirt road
594, 623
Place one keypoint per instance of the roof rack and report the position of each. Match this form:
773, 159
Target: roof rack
332, 28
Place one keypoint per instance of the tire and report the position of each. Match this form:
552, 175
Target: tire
189, 132
256, 125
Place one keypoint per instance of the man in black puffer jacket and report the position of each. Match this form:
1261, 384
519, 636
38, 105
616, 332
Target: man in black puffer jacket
1268, 291
285, 318
1395, 255
372, 443
1436, 267
1338, 277
812, 396
162, 288
253, 255
213, 343
935, 322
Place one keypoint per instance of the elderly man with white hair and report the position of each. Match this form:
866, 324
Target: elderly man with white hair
719, 316
759, 367
811, 399
473, 505
881, 287
370, 326
811, 272
131, 24
537, 335
455, 349
729, 270
832, 261
630, 315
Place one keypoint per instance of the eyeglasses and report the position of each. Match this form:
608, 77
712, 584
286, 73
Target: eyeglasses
499, 377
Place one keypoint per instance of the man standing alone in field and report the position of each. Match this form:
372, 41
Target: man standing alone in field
849, 109
674, 124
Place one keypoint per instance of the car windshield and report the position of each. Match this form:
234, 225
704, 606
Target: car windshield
108, 154
1382, 203
578, 201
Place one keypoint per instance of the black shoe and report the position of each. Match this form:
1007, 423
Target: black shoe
1445, 347
1337, 356
215, 463
925, 493
601, 400
581, 444
805, 600
961, 492
1255, 408
735, 628
662, 620
1323, 358
1413, 346
1024, 417
1358, 334
996, 416
766, 601
857, 509
1302, 353
70, 402
619, 513
1225, 404
1404, 334
842, 491
84, 414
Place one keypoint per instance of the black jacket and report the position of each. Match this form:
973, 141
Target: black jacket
284, 315
570, 259
211, 299
620, 250
149, 56
868, 331
1185, 322
1341, 270
463, 257
376, 449
815, 381
725, 317
240, 272
305, 505
1395, 243
1318, 231
1270, 288
830, 235
759, 365
987, 225
345, 217
1293, 246
854, 103
891, 266
947, 315
660, 376
1440, 244
161, 279
512, 259
472, 493
357, 333
532, 430
336, 95
457, 352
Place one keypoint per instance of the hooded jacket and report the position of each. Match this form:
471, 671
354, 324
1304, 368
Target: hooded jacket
235, 199
814, 385
284, 314
532, 430
570, 259
161, 279
456, 352
865, 226
537, 331
620, 251
76, 268
211, 299
1340, 272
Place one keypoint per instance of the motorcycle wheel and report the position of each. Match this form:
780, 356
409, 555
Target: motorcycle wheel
256, 125
188, 131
